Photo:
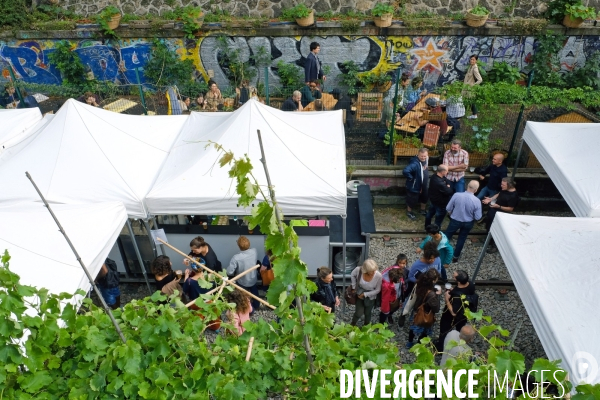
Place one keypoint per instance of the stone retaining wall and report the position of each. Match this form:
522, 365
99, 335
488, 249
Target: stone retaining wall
273, 8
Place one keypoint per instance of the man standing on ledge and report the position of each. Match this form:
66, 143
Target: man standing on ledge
457, 161
312, 66
464, 209
417, 178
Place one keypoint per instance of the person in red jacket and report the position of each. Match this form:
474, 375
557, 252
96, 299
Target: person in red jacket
392, 289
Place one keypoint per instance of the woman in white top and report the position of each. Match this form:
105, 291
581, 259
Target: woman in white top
472, 78
366, 281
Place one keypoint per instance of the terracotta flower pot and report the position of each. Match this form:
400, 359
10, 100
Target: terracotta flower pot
307, 21
475, 21
383, 21
113, 22
571, 22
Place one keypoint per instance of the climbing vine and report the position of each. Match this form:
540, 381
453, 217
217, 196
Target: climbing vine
167, 355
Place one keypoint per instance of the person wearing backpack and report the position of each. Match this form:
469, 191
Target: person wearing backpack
427, 302
107, 282
453, 317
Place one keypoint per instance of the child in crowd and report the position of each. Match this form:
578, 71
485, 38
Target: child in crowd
393, 288
242, 310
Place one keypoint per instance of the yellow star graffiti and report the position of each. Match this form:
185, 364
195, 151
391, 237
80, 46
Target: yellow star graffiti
429, 54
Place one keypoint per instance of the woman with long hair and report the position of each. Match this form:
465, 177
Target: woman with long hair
242, 310
427, 296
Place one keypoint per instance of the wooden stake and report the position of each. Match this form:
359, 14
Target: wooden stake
210, 271
249, 352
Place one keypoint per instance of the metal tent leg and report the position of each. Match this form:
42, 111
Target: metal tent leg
138, 255
147, 226
344, 260
518, 158
162, 246
481, 255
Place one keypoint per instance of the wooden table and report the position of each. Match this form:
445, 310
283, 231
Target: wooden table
409, 123
328, 103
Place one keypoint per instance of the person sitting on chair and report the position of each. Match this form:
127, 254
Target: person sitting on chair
310, 93
293, 103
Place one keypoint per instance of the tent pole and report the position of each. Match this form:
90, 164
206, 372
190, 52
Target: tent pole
89, 276
481, 255
344, 261
138, 255
299, 306
147, 226
162, 246
517, 160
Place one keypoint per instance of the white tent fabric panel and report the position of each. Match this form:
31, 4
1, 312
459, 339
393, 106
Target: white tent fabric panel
17, 124
305, 155
87, 154
16, 145
555, 265
569, 154
41, 256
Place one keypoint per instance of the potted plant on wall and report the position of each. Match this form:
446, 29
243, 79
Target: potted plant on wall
479, 146
575, 14
376, 81
382, 15
477, 16
109, 20
303, 15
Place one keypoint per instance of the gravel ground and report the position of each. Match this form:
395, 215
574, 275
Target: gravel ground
393, 218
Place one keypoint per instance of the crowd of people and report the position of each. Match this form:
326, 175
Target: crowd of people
414, 292
447, 193
194, 281
399, 289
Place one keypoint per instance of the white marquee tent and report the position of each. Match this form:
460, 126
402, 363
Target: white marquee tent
305, 155
16, 145
554, 263
16, 125
569, 154
41, 255
87, 154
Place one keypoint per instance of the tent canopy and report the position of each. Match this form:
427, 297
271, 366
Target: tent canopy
39, 252
569, 154
16, 145
15, 125
554, 265
305, 155
87, 154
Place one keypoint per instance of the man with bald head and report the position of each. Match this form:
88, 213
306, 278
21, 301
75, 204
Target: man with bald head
466, 335
464, 209
440, 193
497, 171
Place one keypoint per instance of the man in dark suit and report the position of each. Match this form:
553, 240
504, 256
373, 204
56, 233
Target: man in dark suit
312, 66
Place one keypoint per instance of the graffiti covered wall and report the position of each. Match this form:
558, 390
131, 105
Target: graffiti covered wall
439, 59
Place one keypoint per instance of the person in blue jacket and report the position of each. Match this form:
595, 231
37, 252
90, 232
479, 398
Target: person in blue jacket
312, 66
417, 176
443, 246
